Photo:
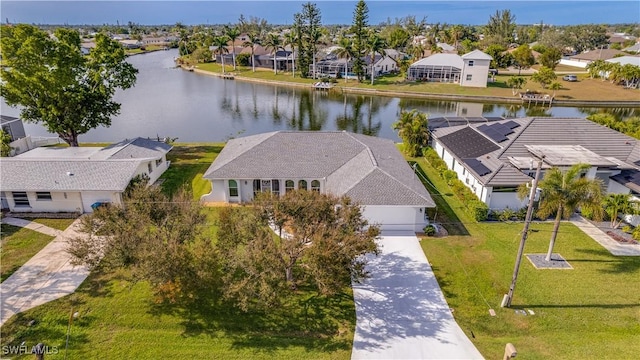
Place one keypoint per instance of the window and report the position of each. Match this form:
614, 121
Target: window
468, 77
150, 166
43, 196
158, 162
470, 62
21, 199
315, 185
256, 186
289, 185
275, 187
233, 188
302, 184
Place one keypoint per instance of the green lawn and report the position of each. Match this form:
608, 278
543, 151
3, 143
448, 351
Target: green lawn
121, 318
590, 312
18, 246
188, 164
60, 224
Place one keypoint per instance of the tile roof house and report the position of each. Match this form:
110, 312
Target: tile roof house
71, 179
369, 170
493, 158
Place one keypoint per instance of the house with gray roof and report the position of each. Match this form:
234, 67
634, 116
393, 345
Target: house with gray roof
369, 170
494, 158
71, 179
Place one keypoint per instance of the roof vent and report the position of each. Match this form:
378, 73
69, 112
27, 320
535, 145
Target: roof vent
69, 173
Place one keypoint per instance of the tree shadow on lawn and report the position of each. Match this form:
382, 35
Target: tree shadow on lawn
316, 323
577, 306
616, 264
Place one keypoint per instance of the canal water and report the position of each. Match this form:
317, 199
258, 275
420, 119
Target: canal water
170, 102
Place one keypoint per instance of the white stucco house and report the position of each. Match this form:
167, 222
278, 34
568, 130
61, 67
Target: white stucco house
493, 158
471, 69
369, 170
71, 179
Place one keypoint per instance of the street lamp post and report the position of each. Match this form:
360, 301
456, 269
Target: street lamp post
506, 301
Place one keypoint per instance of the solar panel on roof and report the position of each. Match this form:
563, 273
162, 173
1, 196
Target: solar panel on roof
494, 118
477, 166
476, 119
492, 133
511, 124
504, 130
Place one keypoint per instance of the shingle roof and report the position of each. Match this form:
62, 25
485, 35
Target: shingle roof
347, 162
65, 175
138, 148
539, 132
477, 55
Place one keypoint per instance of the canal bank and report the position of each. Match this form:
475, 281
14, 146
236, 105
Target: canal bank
430, 96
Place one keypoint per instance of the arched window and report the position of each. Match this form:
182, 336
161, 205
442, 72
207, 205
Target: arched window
302, 184
233, 188
315, 185
289, 185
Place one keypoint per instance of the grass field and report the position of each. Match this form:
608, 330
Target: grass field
584, 89
119, 318
18, 246
188, 164
60, 224
590, 312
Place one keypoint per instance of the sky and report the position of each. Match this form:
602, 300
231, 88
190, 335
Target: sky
469, 12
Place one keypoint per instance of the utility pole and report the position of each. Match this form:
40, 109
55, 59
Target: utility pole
506, 301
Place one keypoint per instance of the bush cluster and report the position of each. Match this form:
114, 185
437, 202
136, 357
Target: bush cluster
508, 214
475, 208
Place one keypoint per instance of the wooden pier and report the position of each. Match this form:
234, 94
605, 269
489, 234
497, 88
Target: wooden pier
322, 85
536, 98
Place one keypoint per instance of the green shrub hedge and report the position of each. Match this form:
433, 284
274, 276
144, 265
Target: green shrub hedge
475, 208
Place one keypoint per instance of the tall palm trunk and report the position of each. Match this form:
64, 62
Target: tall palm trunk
253, 59
554, 233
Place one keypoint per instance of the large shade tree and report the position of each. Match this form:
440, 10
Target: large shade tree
56, 85
319, 242
563, 192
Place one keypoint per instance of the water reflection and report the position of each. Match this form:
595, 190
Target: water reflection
196, 108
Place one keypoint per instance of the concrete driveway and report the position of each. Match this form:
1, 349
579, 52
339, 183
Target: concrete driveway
401, 312
47, 276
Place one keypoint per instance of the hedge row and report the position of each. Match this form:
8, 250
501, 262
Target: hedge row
475, 208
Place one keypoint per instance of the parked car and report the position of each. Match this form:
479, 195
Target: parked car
571, 78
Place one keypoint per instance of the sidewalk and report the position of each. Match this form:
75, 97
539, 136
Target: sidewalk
614, 247
47, 276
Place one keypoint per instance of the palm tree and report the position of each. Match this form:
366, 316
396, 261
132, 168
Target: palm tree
221, 47
314, 39
254, 40
290, 39
416, 51
344, 50
555, 86
375, 45
563, 192
413, 130
615, 204
232, 34
273, 42
595, 67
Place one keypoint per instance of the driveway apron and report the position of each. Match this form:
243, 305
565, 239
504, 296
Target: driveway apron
401, 312
47, 276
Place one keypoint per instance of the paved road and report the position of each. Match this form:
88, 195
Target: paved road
401, 312
47, 276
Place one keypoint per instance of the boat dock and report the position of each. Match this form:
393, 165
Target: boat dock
322, 85
536, 98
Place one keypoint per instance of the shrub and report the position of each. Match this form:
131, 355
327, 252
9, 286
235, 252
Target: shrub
507, 215
628, 229
243, 59
521, 214
429, 230
636, 233
479, 210
449, 175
